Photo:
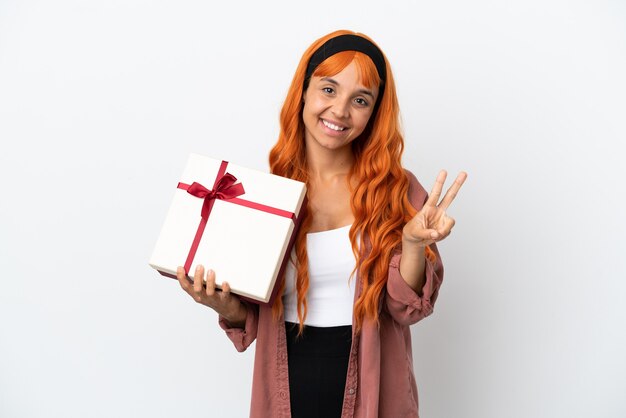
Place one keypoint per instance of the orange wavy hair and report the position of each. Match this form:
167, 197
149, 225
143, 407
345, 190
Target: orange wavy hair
379, 202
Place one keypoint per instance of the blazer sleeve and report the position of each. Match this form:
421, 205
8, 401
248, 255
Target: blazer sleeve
403, 304
243, 337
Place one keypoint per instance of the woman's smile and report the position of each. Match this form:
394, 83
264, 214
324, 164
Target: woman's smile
333, 126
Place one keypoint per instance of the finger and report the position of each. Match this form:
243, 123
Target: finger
424, 234
436, 191
210, 283
225, 294
453, 190
446, 227
198, 279
183, 280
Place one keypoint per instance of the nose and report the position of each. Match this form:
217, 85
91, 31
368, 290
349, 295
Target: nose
340, 108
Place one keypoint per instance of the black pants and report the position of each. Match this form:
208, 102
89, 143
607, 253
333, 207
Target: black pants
318, 364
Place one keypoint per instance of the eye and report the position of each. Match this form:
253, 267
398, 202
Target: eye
361, 101
328, 90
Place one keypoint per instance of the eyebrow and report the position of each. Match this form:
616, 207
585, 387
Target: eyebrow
361, 91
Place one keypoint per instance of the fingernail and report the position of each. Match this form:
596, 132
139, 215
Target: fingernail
210, 271
197, 269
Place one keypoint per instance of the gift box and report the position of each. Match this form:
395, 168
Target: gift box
237, 221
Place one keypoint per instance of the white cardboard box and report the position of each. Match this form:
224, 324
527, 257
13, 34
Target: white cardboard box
245, 246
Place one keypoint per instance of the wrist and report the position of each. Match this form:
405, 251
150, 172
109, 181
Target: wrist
237, 319
411, 244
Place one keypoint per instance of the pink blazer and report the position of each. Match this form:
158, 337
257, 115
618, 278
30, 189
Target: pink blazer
380, 381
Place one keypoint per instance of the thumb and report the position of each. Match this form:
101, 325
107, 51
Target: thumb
422, 234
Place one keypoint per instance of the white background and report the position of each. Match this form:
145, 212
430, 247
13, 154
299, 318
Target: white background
102, 101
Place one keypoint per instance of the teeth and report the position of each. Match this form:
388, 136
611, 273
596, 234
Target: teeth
331, 126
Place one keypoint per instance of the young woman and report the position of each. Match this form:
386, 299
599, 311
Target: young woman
336, 343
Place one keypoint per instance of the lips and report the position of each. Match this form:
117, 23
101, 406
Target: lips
333, 126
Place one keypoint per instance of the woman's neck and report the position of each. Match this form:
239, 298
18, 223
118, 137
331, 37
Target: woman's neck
325, 165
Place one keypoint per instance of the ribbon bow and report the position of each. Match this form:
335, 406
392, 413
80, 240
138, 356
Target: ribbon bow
225, 188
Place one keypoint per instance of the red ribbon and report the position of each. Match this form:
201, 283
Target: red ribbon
224, 189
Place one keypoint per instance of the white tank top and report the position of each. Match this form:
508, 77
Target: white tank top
331, 291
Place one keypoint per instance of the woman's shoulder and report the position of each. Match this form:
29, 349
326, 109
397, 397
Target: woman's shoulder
413, 181
417, 194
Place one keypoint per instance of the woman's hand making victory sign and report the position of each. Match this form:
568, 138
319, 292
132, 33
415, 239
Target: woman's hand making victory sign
431, 223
